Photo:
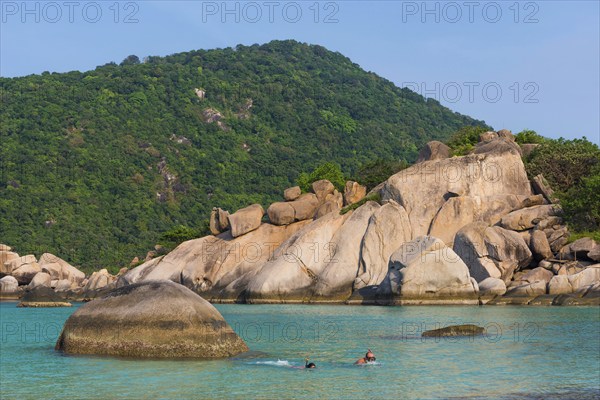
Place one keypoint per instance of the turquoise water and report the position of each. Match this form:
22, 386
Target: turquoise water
530, 352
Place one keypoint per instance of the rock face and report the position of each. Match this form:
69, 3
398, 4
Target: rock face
389, 227
491, 251
540, 185
246, 220
42, 296
426, 268
158, 319
579, 249
354, 192
98, 280
305, 206
424, 188
434, 151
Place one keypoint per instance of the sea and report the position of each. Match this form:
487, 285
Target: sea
526, 353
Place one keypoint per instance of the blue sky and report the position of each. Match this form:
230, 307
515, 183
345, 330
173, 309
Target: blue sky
516, 65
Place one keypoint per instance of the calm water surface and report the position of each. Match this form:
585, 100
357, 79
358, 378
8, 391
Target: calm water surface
529, 352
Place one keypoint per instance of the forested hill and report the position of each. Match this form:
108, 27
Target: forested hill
96, 165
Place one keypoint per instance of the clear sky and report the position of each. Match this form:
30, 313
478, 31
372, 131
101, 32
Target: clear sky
516, 65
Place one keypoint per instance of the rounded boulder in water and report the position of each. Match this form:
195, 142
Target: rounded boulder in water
154, 319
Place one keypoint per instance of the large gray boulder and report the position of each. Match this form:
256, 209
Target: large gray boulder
434, 150
426, 268
389, 227
491, 251
291, 194
11, 265
41, 279
156, 319
540, 247
245, 220
492, 286
579, 249
6, 256
424, 188
305, 206
281, 213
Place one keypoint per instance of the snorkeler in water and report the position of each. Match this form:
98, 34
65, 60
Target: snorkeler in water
309, 365
369, 357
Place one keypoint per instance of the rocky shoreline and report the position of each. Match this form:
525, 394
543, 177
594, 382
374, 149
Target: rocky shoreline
461, 230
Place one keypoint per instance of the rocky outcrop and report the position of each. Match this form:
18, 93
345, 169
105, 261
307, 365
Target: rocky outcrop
245, 220
426, 269
434, 150
424, 188
157, 319
354, 192
541, 186
210, 264
42, 296
388, 229
98, 283
491, 251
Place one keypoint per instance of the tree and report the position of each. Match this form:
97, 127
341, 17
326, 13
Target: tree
330, 171
375, 172
130, 60
465, 139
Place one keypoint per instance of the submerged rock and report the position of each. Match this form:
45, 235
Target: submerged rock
158, 319
42, 296
455, 330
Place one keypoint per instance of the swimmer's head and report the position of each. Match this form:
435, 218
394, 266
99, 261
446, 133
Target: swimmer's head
370, 356
311, 365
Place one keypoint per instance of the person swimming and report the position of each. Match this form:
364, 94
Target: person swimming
309, 365
369, 357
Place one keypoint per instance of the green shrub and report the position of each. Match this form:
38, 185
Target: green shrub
465, 139
373, 173
529, 136
581, 203
330, 171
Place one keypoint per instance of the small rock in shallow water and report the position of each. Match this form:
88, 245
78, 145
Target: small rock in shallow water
455, 330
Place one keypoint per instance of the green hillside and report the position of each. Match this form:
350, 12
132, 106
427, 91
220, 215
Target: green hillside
95, 166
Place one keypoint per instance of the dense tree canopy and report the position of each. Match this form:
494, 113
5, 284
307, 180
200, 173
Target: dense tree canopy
97, 165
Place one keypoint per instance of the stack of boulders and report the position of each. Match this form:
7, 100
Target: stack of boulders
469, 229
48, 278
